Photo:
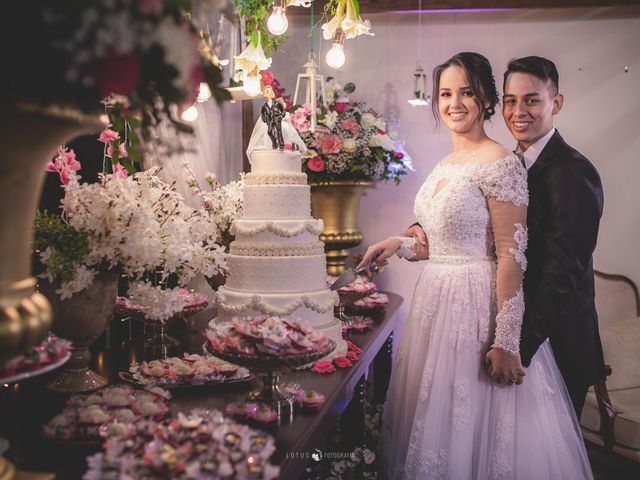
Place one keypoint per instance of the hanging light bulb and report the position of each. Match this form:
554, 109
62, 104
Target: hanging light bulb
204, 92
251, 85
277, 23
335, 56
190, 114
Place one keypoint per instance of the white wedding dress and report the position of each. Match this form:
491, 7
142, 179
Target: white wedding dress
445, 417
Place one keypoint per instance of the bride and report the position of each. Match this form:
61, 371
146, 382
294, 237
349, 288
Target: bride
450, 415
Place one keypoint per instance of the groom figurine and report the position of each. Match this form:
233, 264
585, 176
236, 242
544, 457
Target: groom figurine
272, 114
565, 206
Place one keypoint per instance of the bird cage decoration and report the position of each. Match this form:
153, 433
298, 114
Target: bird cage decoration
420, 96
311, 81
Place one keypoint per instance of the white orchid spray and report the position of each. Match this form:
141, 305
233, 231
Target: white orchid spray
140, 224
222, 203
346, 17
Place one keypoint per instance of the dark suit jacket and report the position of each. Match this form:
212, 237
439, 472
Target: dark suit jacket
565, 206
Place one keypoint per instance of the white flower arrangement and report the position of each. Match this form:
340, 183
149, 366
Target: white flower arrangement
160, 304
136, 225
222, 204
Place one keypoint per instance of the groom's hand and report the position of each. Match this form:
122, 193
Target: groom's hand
504, 367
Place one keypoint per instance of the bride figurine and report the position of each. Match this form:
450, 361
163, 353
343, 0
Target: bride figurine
273, 129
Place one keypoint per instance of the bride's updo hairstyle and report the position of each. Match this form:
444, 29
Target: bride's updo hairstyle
478, 71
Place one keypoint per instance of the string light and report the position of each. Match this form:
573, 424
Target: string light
277, 22
190, 114
335, 56
204, 92
251, 85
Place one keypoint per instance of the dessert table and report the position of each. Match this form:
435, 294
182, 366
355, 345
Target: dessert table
25, 407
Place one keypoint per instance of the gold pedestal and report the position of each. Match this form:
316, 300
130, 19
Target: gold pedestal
337, 204
30, 135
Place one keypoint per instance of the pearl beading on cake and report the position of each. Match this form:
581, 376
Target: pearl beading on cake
277, 249
313, 226
289, 178
255, 302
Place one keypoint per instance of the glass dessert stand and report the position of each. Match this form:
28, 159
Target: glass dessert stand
158, 343
269, 368
347, 299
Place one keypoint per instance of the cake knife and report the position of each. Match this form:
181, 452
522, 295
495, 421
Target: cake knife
350, 275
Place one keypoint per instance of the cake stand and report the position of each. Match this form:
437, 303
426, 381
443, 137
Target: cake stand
159, 344
346, 299
270, 367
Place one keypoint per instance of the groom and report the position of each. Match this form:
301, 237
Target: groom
565, 206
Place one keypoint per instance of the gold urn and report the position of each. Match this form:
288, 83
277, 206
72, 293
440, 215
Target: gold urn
337, 203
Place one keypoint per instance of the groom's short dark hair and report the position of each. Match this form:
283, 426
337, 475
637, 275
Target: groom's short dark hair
539, 67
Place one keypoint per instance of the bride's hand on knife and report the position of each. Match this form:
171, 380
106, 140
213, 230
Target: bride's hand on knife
380, 251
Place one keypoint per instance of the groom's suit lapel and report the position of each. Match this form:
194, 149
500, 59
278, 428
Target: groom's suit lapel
546, 155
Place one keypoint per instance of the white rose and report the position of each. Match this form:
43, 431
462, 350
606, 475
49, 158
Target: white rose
382, 140
349, 145
368, 119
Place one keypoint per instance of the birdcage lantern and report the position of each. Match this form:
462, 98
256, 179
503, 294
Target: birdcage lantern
314, 86
420, 96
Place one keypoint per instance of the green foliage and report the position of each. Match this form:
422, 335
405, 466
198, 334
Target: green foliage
68, 247
255, 14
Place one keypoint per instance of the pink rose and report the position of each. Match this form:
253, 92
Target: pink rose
299, 120
119, 171
51, 167
351, 125
108, 135
118, 73
340, 106
330, 144
353, 356
267, 77
342, 362
316, 164
398, 154
322, 366
352, 346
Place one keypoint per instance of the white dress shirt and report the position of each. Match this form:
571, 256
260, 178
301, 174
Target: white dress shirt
532, 153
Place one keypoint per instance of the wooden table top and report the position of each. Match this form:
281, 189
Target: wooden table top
25, 407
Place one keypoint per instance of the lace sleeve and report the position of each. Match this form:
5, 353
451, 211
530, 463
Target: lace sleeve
506, 188
406, 250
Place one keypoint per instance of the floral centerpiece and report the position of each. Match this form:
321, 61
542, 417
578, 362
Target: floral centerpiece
351, 141
147, 50
136, 225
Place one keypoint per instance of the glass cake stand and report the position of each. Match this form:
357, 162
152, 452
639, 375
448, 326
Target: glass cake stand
346, 299
158, 343
270, 367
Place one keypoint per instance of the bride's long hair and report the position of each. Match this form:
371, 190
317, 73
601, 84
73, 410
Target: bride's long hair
481, 80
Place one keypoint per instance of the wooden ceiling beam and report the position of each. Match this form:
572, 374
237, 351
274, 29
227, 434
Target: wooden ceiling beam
381, 6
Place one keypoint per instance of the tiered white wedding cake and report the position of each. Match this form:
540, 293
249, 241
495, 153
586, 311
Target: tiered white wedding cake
277, 264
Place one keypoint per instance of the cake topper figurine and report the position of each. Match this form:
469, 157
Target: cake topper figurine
272, 114
273, 129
